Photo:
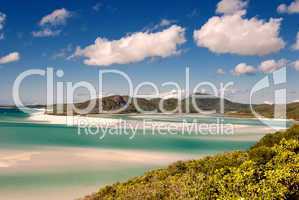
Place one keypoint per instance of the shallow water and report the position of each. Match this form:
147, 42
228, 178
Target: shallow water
41, 161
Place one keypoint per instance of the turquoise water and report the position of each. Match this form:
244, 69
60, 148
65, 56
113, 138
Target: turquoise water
16, 133
22, 134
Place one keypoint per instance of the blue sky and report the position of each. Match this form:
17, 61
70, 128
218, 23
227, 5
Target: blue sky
84, 21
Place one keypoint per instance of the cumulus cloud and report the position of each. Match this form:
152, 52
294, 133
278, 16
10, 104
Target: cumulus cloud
295, 64
46, 33
292, 8
12, 57
267, 66
133, 48
49, 22
270, 66
236, 35
231, 6
57, 17
220, 71
2, 22
243, 68
296, 45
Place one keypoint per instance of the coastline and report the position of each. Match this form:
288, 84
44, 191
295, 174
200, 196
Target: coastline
104, 165
53, 158
242, 132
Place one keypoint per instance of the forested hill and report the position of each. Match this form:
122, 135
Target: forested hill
269, 170
112, 103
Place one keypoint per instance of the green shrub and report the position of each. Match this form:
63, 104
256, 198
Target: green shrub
269, 170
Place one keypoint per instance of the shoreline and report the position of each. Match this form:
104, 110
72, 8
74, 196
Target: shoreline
241, 132
105, 120
76, 157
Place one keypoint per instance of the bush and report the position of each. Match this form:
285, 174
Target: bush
269, 170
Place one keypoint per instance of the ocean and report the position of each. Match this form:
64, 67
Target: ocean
46, 161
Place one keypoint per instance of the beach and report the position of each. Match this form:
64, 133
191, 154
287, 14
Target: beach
240, 132
44, 157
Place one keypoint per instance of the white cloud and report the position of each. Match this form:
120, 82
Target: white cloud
2, 22
270, 66
236, 35
220, 71
46, 33
267, 66
133, 48
166, 22
282, 8
162, 24
268, 102
12, 57
296, 45
231, 6
292, 8
295, 64
230, 91
57, 17
243, 68
173, 94
50, 21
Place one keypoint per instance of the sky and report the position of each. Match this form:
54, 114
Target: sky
218, 40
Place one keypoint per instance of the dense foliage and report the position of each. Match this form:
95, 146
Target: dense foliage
269, 170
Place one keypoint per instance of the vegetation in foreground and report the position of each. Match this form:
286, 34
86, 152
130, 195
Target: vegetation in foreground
269, 170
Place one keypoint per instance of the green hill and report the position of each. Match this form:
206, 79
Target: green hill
269, 170
111, 103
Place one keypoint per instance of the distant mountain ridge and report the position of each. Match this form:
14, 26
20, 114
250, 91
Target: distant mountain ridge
115, 102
